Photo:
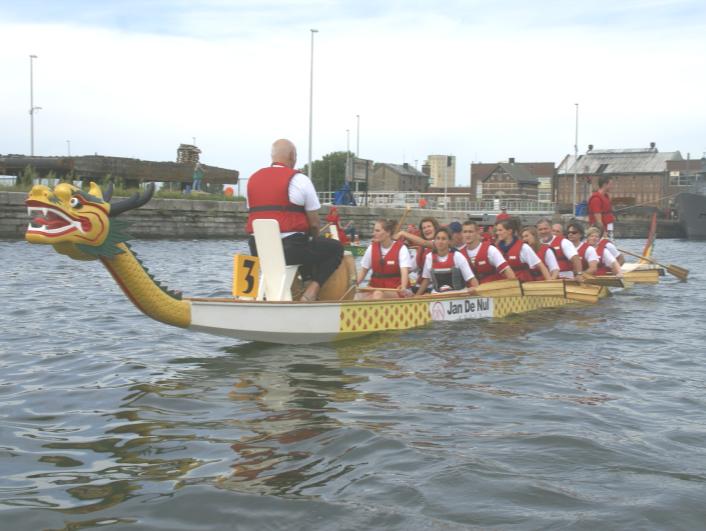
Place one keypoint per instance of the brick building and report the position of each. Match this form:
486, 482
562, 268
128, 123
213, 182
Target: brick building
641, 176
516, 180
398, 178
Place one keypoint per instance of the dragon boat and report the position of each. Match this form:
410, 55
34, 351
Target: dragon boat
86, 226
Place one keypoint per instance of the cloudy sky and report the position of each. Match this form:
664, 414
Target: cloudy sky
482, 80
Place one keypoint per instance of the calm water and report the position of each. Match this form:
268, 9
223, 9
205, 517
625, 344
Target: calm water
585, 417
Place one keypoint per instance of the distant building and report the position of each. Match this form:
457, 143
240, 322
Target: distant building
684, 173
441, 170
512, 180
130, 171
641, 176
398, 177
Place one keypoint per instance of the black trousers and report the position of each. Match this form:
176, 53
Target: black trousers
319, 256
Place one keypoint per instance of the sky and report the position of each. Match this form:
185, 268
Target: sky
481, 80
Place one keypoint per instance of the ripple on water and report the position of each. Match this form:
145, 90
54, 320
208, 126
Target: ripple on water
587, 417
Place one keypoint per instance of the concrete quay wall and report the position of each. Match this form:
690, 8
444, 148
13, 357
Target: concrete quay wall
185, 218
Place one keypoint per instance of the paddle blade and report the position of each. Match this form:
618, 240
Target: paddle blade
679, 272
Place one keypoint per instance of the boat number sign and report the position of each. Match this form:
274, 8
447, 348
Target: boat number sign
455, 310
246, 275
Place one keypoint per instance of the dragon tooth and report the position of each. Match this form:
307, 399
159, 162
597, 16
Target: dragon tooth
44, 211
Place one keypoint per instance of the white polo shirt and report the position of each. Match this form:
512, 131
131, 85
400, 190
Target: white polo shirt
550, 260
495, 257
459, 261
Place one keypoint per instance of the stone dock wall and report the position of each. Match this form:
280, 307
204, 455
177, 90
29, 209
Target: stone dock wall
185, 218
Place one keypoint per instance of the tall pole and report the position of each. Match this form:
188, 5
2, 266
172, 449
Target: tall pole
349, 172
311, 100
32, 108
446, 184
68, 148
576, 157
357, 136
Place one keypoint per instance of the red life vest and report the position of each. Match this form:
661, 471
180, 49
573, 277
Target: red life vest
600, 203
564, 263
603, 269
581, 249
386, 270
445, 273
421, 257
268, 198
512, 256
483, 270
542, 253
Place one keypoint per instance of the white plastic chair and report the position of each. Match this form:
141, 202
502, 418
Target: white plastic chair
277, 276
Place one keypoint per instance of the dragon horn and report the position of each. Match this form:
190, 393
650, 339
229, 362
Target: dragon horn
108, 192
130, 203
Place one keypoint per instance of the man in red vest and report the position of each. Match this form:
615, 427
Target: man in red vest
280, 192
600, 210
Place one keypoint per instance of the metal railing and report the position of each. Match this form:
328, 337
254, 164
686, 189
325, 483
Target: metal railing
450, 201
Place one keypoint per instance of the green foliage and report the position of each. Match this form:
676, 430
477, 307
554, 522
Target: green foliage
333, 164
27, 177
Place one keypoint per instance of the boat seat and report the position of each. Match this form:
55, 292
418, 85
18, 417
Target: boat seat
276, 276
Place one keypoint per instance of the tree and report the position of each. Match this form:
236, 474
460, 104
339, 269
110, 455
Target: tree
333, 165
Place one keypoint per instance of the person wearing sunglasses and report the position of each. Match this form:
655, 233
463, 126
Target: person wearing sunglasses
589, 258
565, 252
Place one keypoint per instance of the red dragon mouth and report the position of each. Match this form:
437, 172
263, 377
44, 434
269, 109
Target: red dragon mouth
52, 222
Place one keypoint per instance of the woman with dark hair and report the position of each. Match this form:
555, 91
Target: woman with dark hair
589, 258
424, 243
389, 260
545, 253
444, 268
519, 256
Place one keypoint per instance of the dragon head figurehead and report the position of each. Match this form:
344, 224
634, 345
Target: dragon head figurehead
79, 224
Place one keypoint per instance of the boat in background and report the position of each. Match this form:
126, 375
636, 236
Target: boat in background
691, 210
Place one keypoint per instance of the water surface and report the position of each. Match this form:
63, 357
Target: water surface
581, 417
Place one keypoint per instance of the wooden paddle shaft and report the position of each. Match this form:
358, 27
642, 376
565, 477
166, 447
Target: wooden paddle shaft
641, 257
369, 288
401, 221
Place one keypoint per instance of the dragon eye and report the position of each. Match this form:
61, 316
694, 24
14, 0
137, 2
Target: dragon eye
74, 202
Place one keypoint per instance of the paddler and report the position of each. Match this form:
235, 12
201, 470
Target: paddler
334, 219
607, 263
282, 193
445, 268
519, 256
456, 230
390, 262
486, 261
589, 258
424, 242
564, 251
545, 253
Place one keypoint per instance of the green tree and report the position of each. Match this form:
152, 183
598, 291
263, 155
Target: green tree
331, 168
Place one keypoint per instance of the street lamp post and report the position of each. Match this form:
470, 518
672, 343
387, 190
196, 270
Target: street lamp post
68, 148
311, 100
349, 169
576, 157
357, 136
32, 108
